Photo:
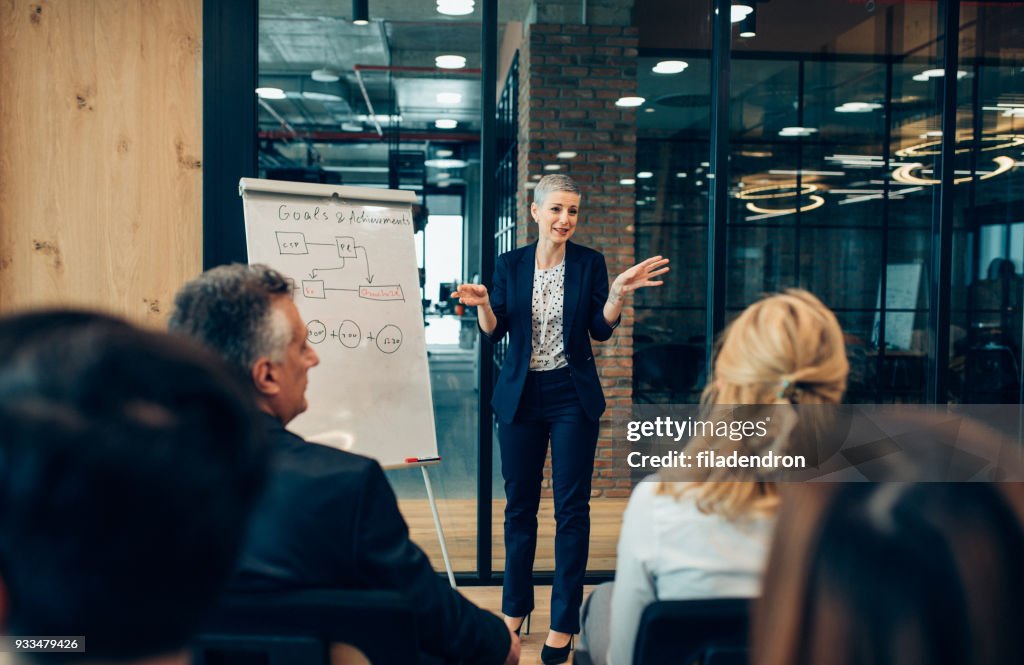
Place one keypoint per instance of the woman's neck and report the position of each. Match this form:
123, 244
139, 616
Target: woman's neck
549, 254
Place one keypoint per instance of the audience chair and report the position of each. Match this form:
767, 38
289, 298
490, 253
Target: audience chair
681, 632
299, 628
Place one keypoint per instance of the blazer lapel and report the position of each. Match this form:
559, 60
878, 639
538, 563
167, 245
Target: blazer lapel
573, 287
524, 287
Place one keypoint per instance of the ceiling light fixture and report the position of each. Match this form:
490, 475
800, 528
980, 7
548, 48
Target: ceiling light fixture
360, 12
455, 7
816, 202
446, 123
629, 101
448, 98
325, 75
444, 153
797, 131
739, 11
445, 163
566, 154
987, 144
270, 93
627, 181
858, 107
645, 174
552, 167
669, 67
320, 96
450, 61
905, 173
937, 73
748, 26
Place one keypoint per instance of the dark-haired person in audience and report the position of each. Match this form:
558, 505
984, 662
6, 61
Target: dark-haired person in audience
708, 539
329, 518
129, 464
894, 574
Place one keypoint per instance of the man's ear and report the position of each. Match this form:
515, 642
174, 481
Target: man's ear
264, 377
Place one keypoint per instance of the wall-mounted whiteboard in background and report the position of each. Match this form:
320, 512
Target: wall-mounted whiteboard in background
902, 291
351, 256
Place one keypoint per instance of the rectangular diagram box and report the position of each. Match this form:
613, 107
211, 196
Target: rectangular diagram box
313, 288
291, 242
381, 292
346, 247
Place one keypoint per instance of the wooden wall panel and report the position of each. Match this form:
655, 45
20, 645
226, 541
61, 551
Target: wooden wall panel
100, 153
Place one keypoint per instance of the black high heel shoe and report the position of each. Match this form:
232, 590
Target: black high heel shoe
555, 655
526, 622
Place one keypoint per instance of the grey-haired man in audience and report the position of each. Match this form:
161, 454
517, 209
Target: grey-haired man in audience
329, 518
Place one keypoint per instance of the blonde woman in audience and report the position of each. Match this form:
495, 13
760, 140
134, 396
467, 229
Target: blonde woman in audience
708, 539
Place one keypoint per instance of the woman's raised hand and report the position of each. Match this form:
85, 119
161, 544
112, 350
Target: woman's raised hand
474, 295
639, 276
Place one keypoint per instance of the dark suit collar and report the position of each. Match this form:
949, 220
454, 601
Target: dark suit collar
573, 288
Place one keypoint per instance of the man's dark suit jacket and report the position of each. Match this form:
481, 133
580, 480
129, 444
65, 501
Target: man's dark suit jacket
329, 519
511, 295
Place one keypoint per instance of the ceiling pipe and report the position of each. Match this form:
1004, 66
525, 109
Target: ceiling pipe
394, 68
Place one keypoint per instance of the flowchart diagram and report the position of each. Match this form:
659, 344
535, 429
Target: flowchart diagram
294, 242
348, 333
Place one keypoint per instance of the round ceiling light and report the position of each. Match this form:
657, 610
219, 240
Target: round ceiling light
270, 93
669, 67
450, 61
739, 11
629, 101
455, 7
446, 123
324, 75
445, 163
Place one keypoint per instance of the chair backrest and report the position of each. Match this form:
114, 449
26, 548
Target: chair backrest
298, 628
680, 632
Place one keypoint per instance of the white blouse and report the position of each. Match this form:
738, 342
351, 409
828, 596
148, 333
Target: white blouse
548, 308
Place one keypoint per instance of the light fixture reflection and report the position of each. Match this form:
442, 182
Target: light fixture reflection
905, 173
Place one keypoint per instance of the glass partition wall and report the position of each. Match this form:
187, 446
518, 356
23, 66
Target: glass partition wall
835, 159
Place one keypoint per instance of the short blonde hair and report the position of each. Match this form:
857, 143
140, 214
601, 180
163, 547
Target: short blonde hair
554, 183
786, 348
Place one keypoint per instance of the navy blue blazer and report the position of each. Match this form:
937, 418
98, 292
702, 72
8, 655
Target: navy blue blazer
586, 290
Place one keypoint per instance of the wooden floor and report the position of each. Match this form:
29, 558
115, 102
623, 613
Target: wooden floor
459, 523
490, 598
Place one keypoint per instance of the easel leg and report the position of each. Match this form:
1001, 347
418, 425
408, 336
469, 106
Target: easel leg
437, 525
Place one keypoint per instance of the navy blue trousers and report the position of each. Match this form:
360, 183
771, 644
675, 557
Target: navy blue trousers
549, 409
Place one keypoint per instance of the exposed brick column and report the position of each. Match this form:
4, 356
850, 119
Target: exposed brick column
569, 79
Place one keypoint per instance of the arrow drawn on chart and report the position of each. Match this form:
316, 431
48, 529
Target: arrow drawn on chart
314, 271
352, 290
366, 255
